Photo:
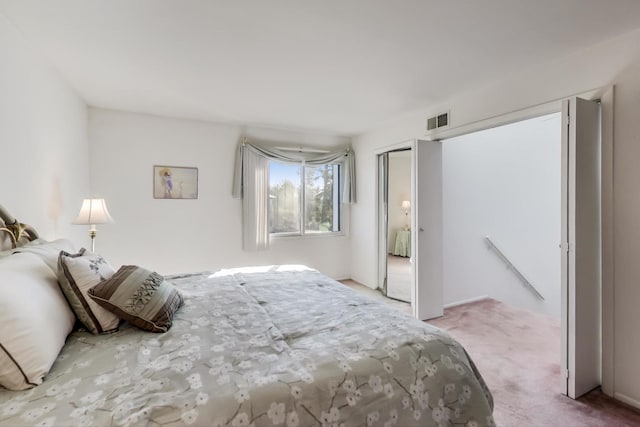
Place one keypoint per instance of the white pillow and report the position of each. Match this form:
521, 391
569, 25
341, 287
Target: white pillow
6, 253
48, 251
35, 320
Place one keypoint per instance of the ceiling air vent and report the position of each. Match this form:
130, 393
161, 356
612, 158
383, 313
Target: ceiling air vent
439, 121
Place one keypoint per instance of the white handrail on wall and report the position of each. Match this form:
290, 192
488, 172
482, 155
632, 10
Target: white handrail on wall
512, 267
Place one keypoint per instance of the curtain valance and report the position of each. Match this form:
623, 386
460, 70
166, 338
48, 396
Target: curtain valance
342, 155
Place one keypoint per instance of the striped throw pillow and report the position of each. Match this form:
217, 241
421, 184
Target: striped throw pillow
140, 296
77, 273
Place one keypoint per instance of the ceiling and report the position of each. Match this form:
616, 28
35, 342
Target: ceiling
330, 66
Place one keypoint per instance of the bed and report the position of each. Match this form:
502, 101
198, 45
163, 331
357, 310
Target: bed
261, 346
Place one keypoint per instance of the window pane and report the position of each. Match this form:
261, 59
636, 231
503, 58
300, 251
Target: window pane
284, 197
321, 199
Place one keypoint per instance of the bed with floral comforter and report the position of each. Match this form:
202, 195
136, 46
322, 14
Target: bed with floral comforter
268, 346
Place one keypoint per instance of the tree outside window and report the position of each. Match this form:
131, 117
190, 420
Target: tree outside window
304, 199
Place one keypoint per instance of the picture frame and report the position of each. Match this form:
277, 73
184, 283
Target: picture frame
175, 182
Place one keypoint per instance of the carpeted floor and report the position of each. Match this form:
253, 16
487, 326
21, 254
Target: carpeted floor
377, 295
518, 353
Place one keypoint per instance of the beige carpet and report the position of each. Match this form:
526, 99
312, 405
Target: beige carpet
377, 295
518, 353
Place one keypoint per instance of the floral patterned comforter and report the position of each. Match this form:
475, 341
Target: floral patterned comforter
264, 346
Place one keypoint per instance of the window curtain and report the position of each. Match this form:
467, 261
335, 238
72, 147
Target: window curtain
251, 184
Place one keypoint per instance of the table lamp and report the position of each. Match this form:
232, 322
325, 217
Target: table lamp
92, 212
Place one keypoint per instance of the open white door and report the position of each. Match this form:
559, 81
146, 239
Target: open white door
427, 230
581, 246
383, 209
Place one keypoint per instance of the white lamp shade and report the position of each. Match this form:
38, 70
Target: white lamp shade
93, 211
406, 205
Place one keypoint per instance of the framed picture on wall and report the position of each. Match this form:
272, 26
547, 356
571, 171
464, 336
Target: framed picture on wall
175, 182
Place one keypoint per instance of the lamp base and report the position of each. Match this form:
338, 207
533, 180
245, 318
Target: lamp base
92, 234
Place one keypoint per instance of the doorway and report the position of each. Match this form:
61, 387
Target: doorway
395, 196
585, 166
502, 210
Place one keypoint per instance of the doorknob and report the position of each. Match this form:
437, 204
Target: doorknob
421, 229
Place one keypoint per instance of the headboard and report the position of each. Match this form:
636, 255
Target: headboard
14, 233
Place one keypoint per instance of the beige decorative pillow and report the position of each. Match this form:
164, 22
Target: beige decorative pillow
35, 320
139, 296
77, 273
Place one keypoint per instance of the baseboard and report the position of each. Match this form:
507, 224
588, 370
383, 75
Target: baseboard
360, 282
466, 301
625, 399
339, 278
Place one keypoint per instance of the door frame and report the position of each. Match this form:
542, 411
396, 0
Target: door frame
382, 215
405, 145
605, 95
581, 248
607, 230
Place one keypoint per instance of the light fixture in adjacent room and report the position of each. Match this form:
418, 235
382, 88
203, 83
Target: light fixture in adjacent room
406, 206
92, 212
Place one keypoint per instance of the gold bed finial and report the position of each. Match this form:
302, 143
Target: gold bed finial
16, 229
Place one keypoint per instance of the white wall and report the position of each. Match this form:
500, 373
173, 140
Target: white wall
613, 62
399, 190
504, 183
176, 236
626, 211
43, 141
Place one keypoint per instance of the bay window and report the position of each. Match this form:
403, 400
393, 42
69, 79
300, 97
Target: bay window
291, 192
